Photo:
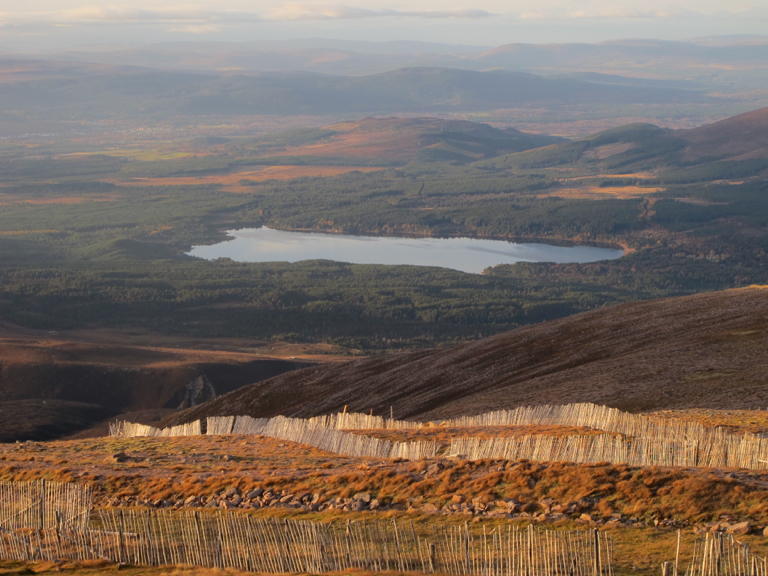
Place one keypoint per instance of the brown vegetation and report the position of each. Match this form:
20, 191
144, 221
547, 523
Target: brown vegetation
705, 351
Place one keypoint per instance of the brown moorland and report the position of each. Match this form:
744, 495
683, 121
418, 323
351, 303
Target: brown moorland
701, 351
58, 383
741, 137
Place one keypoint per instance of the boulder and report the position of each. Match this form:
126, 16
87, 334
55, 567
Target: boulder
739, 529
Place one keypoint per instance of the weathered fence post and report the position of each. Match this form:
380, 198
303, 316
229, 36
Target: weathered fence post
121, 537
432, 558
677, 553
666, 569
596, 570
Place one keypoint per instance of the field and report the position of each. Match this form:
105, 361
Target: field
639, 507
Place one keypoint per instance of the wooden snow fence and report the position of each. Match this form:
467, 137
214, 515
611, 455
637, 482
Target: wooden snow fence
43, 504
312, 433
728, 451
124, 429
232, 540
644, 440
724, 555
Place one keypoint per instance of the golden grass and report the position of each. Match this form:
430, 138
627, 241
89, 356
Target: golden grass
9, 200
175, 468
232, 180
597, 192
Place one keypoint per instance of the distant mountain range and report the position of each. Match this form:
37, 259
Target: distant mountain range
63, 90
702, 58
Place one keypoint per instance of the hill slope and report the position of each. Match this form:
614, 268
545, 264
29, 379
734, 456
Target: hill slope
703, 351
741, 137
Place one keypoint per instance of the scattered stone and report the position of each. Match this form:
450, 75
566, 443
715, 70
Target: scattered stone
362, 496
120, 457
739, 529
429, 508
546, 504
458, 499
255, 493
586, 518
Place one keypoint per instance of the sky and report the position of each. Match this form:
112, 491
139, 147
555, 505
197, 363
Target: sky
56, 24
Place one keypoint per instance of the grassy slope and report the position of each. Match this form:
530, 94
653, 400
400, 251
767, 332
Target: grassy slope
695, 351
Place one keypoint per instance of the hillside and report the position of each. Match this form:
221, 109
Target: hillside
733, 148
702, 351
57, 384
742, 137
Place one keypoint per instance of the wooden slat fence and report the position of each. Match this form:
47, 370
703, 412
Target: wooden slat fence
310, 432
646, 440
129, 429
42, 504
728, 451
724, 555
233, 540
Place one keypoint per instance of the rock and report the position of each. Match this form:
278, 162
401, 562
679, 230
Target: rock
374, 505
356, 505
546, 504
429, 508
231, 492
285, 499
457, 499
586, 518
765, 531
556, 517
255, 493
190, 500
739, 529
362, 496
120, 457
237, 500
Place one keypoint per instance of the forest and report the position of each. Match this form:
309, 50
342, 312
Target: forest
98, 238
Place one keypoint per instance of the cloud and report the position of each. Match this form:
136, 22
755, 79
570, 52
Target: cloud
127, 14
301, 11
607, 13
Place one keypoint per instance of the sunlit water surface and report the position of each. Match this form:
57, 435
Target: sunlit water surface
465, 254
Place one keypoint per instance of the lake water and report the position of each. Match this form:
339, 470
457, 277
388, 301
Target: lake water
465, 254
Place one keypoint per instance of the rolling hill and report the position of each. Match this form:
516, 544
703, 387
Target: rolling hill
701, 351
733, 148
71, 90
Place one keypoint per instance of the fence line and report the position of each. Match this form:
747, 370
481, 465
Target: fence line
310, 432
129, 429
727, 451
232, 540
723, 555
43, 505
646, 440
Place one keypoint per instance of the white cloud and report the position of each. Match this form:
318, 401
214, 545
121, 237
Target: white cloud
302, 11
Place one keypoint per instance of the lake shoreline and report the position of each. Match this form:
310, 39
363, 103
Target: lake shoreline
462, 253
